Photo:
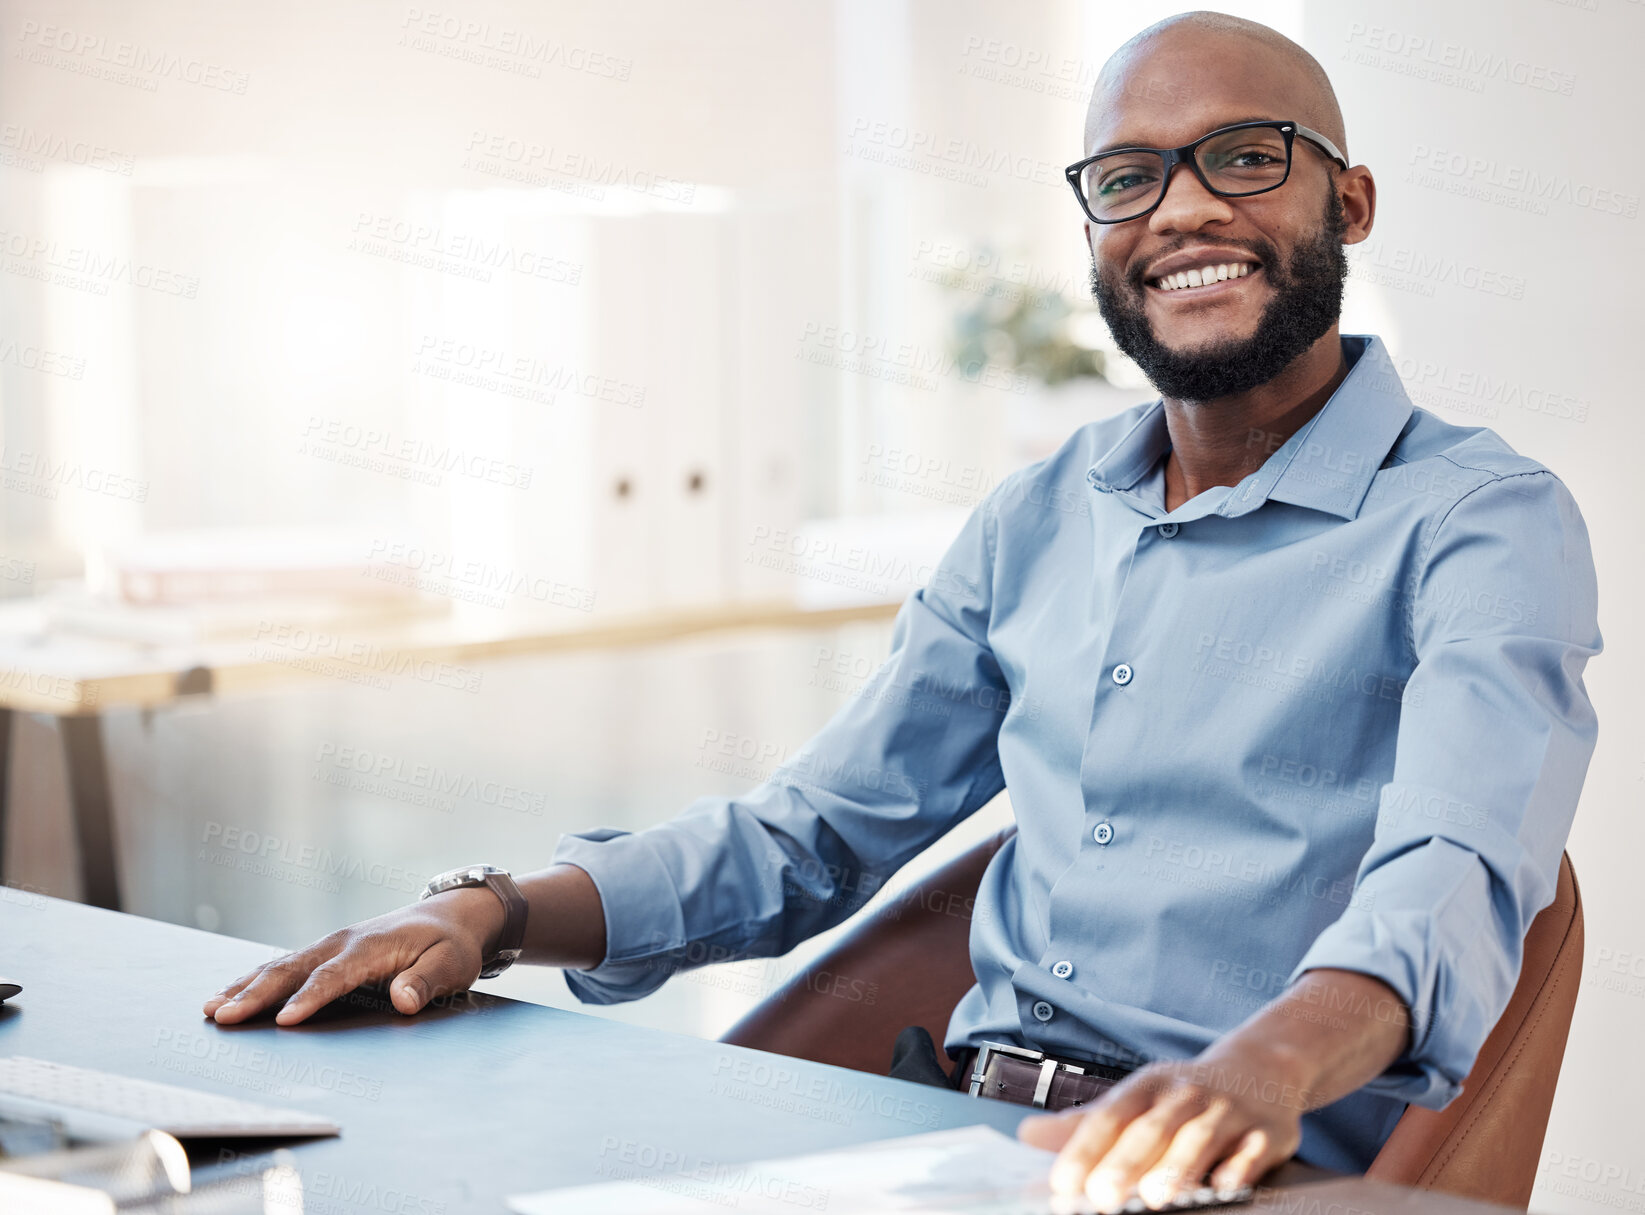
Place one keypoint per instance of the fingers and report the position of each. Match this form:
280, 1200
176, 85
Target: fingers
1096, 1133
1113, 1174
444, 968
229, 992
368, 957
1157, 1134
267, 985
1258, 1151
429, 955
1199, 1143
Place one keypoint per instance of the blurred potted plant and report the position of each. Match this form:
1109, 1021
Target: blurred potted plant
1010, 319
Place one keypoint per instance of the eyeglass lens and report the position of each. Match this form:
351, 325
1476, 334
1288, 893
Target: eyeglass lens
1126, 184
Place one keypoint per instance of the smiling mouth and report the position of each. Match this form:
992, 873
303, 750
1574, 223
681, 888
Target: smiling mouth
1201, 277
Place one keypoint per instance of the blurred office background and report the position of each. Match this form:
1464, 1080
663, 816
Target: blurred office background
511, 317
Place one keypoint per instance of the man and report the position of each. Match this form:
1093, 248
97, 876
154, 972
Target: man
1284, 677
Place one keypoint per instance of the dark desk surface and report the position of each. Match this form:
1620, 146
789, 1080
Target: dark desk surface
452, 1110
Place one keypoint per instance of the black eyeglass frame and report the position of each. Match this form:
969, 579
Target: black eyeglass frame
1185, 155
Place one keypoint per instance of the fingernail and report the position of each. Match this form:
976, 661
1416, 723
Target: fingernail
1102, 1187
1066, 1177
1157, 1189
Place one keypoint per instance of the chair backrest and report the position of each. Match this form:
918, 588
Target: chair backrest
1486, 1143
909, 963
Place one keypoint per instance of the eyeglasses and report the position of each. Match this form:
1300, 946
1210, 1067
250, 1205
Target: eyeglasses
1233, 162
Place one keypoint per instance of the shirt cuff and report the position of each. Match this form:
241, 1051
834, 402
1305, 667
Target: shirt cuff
1418, 952
644, 926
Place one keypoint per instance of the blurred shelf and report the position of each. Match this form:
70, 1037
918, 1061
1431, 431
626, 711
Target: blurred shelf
49, 670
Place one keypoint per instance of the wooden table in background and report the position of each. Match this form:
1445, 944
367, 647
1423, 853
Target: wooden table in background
76, 678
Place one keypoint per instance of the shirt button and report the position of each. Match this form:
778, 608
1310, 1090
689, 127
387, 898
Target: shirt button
1063, 970
1168, 530
1122, 674
1103, 833
1043, 1011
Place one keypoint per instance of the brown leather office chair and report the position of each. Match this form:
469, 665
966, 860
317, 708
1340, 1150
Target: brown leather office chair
912, 957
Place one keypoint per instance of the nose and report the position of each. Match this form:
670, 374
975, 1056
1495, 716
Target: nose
1187, 205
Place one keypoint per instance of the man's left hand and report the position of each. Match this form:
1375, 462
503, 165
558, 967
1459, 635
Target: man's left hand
1236, 1110
1230, 1113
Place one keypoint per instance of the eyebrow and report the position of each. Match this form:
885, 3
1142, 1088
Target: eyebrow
1132, 143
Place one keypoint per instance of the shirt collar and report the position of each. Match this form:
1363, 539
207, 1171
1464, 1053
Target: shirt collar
1327, 465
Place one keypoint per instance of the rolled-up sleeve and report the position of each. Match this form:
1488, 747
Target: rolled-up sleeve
1495, 734
911, 754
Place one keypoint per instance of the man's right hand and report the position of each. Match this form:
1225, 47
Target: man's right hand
432, 948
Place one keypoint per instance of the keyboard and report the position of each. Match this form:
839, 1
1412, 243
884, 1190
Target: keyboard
96, 1105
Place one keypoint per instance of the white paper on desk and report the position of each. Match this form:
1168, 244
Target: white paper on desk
973, 1170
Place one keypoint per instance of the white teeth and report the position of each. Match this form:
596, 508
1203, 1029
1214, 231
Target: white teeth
1202, 275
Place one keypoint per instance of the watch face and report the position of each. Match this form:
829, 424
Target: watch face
470, 875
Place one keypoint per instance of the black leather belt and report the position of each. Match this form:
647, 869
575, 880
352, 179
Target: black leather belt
1032, 1077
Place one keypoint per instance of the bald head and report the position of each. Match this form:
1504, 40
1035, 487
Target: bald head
1194, 64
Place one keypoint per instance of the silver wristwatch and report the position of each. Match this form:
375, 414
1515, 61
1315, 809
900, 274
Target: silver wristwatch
514, 909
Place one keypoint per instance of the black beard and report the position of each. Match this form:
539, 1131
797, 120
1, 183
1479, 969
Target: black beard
1307, 301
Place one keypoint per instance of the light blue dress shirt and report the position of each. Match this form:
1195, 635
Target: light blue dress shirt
1332, 716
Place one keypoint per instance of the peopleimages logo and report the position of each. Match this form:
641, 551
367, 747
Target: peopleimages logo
766, 1081
1447, 62
1427, 270
229, 1061
820, 558
346, 443
464, 254
505, 48
355, 659
120, 61
28, 142
1521, 186
386, 769
261, 854
1286, 670
517, 374
951, 157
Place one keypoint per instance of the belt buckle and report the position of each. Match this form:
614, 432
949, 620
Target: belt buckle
1048, 1068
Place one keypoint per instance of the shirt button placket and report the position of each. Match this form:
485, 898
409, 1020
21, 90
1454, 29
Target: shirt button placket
1103, 832
1043, 1011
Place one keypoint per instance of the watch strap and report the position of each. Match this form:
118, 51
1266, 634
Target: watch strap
512, 938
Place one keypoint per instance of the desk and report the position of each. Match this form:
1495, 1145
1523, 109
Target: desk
447, 1112
75, 678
